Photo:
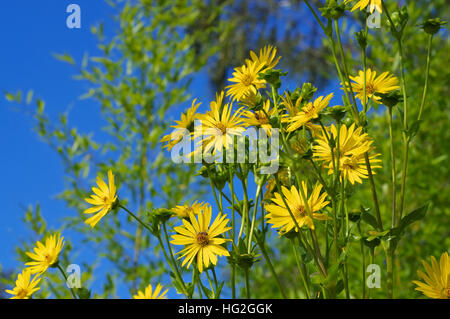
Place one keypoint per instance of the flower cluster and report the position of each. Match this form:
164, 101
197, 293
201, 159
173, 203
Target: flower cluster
325, 156
44, 256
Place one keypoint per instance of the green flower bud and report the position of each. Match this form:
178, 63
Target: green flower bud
432, 26
272, 77
332, 10
337, 112
390, 99
307, 91
361, 38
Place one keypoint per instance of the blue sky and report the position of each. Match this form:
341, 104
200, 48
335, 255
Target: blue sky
31, 171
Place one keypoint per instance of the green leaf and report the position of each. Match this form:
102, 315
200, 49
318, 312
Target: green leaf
368, 218
414, 128
29, 96
414, 216
65, 58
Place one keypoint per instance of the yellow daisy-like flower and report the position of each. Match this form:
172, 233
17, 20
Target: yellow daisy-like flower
201, 240
260, 118
287, 102
150, 294
25, 286
279, 214
219, 126
45, 256
266, 57
246, 80
384, 83
373, 4
309, 112
103, 199
437, 278
353, 144
186, 122
183, 211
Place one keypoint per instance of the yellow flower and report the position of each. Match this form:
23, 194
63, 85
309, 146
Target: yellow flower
373, 4
279, 214
186, 122
219, 126
183, 211
309, 112
25, 287
266, 57
287, 102
201, 240
384, 83
45, 256
260, 118
150, 294
437, 278
246, 80
353, 144
103, 200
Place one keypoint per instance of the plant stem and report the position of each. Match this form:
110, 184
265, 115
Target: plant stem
300, 268
393, 170
363, 254
169, 261
271, 268
425, 88
74, 296
233, 230
210, 283
247, 283
249, 246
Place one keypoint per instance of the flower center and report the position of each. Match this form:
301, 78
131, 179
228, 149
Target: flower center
309, 109
446, 292
300, 211
370, 89
247, 79
261, 117
202, 239
221, 127
48, 258
22, 293
349, 163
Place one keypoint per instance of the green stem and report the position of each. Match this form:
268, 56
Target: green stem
390, 273
425, 88
363, 254
74, 296
300, 268
393, 170
233, 231
347, 74
271, 268
210, 283
169, 260
249, 246
166, 235
247, 283
136, 218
